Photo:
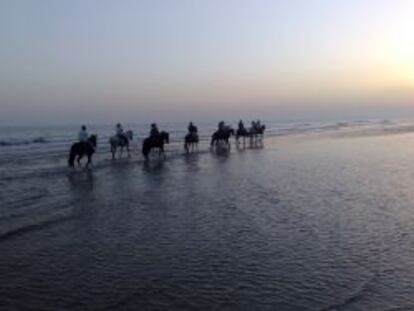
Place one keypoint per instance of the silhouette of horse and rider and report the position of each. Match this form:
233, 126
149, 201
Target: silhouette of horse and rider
222, 135
191, 139
120, 140
86, 145
156, 139
254, 133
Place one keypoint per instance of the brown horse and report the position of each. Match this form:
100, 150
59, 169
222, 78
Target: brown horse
80, 149
191, 142
222, 136
155, 142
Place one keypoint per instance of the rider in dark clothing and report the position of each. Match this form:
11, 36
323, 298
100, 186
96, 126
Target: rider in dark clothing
221, 126
84, 137
192, 129
192, 132
254, 127
154, 133
242, 129
258, 125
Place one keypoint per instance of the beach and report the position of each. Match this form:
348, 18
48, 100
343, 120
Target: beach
316, 220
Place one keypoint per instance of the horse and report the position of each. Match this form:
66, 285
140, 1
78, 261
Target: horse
116, 141
222, 136
80, 149
155, 142
242, 132
256, 134
191, 141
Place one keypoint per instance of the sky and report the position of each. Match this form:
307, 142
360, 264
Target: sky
83, 61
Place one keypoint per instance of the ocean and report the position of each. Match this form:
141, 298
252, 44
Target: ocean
318, 218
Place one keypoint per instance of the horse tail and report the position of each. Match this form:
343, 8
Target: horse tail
72, 155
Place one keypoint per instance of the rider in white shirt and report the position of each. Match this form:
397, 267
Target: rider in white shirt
83, 135
120, 132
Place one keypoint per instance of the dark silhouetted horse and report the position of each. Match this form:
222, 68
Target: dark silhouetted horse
155, 142
242, 132
256, 134
191, 142
222, 136
81, 149
121, 142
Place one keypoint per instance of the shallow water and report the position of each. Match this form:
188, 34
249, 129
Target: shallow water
311, 222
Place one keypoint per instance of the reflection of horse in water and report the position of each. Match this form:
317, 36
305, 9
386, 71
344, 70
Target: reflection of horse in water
80, 149
155, 142
191, 142
121, 142
222, 136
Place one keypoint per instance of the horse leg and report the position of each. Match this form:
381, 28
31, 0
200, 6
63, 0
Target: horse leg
79, 158
89, 163
162, 152
121, 151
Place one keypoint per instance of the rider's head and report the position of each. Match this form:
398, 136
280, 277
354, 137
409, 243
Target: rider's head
118, 125
154, 125
83, 127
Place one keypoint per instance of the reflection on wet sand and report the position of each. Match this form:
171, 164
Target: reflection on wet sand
297, 227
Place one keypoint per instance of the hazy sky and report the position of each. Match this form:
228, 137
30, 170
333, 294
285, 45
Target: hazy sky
98, 61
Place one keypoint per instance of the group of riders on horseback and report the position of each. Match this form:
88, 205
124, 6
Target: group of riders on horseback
87, 144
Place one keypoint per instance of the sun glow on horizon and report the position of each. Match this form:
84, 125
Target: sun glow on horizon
150, 57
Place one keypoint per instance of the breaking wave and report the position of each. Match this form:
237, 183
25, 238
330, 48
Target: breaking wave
37, 140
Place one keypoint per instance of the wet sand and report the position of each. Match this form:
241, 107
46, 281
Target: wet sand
309, 222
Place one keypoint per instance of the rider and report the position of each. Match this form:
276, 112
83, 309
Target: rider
192, 132
221, 126
119, 132
254, 126
154, 132
242, 129
192, 129
258, 125
83, 136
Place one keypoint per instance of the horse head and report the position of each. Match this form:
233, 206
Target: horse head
165, 136
262, 129
93, 139
129, 135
